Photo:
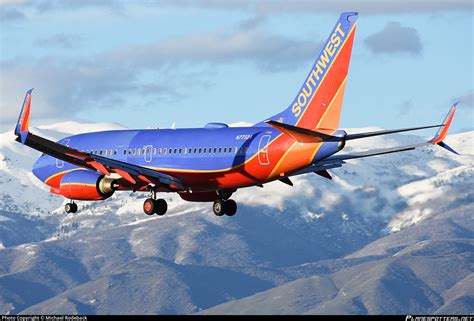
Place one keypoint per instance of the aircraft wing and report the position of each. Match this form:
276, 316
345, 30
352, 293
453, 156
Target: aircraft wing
436, 140
133, 174
338, 160
376, 152
303, 135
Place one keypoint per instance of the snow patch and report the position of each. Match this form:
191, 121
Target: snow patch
4, 218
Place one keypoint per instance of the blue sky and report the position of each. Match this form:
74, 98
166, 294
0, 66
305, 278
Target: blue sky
152, 63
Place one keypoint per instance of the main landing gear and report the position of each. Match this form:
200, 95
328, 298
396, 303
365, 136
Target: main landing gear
227, 207
155, 206
70, 207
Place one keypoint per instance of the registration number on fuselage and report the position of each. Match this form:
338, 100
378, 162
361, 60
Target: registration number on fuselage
242, 137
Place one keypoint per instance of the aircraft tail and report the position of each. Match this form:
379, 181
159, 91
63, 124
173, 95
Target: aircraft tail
319, 101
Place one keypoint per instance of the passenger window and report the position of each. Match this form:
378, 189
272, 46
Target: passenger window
170, 150
185, 150
139, 151
115, 152
101, 152
199, 150
180, 150
154, 151
195, 150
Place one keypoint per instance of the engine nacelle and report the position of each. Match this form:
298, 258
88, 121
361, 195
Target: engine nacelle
86, 185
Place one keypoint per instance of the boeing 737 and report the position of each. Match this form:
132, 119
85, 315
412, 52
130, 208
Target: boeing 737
209, 164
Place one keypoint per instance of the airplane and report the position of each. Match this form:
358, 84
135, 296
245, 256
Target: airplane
209, 164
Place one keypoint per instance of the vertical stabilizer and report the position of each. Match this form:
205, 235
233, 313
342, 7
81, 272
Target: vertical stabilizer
319, 101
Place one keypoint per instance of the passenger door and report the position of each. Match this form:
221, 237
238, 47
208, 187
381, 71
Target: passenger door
263, 158
148, 155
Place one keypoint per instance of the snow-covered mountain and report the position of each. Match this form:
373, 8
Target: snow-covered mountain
189, 260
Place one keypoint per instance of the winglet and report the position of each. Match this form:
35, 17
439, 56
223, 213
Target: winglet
21, 129
443, 131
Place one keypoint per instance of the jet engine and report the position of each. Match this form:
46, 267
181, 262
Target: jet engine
87, 185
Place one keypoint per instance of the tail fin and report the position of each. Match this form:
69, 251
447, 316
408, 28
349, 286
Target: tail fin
319, 101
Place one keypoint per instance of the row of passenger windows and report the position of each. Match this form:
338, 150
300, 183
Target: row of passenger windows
164, 151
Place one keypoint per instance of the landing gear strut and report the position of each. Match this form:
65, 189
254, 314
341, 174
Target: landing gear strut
155, 206
70, 207
221, 207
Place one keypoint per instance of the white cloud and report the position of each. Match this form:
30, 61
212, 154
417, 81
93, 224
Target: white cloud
395, 38
305, 6
61, 40
154, 70
269, 52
